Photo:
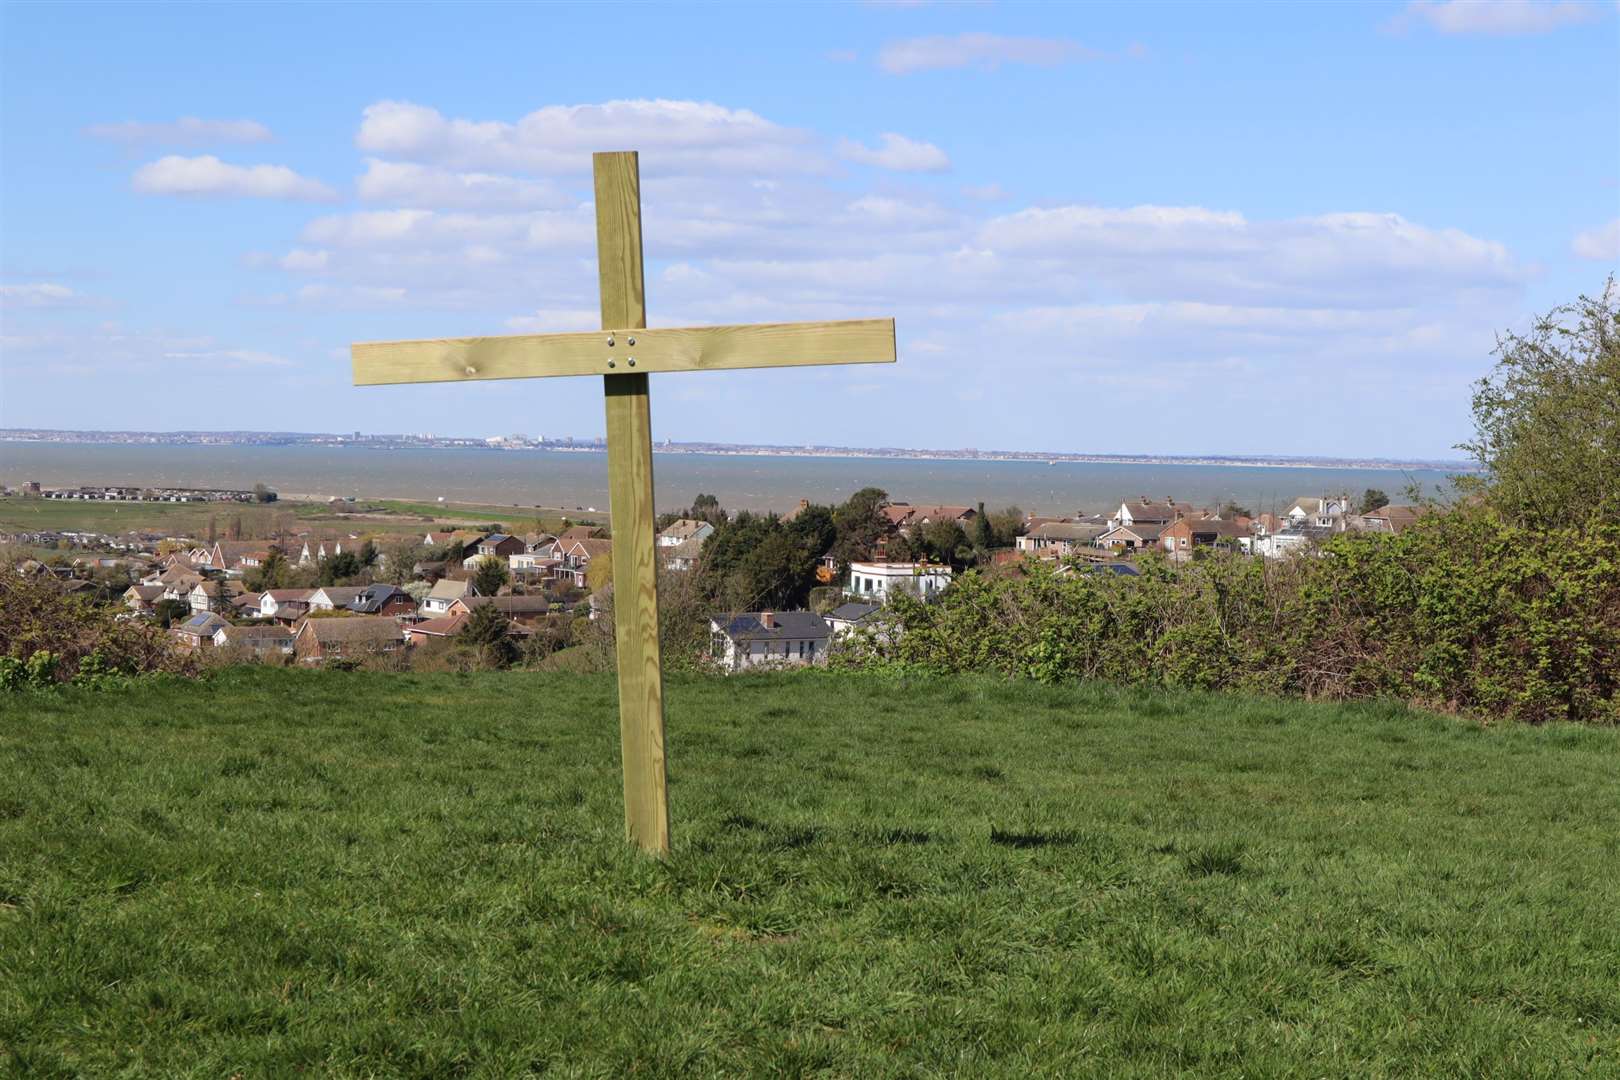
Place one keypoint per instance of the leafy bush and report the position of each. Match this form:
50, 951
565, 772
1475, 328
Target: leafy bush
48, 636
1465, 610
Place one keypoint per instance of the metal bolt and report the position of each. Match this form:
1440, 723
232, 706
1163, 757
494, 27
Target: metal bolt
610, 343
631, 339
610, 363
632, 361
472, 371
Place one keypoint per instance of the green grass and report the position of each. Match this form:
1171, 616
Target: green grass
357, 875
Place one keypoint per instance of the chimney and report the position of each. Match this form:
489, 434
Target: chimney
767, 619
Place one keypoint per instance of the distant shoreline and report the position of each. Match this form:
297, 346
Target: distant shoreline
339, 443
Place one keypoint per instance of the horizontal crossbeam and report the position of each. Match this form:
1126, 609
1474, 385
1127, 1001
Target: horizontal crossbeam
624, 352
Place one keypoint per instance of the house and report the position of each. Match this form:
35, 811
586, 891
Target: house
445, 592
246, 604
526, 610
333, 597
198, 631
445, 626
533, 565
209, 596
262, 640
1135, 537
1147, 512
500, 545
319, 548
236, 556
1180, 537
388, 600
768, 637
1324, 511
903, 517
1387, 519
284, 605
874, 581
681, 556
576, 560
437, 539
685, 531
1291, 540
142, 598
1059, 538
847, 617
542, 544
320, 640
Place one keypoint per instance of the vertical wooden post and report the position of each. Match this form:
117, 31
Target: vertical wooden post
630, 489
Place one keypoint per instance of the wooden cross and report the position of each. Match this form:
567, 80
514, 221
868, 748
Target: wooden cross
625, 352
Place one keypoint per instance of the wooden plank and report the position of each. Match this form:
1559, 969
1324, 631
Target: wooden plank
630, 491
693, 348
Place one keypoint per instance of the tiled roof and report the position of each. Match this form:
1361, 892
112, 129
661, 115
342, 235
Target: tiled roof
358, 628
852, 612
789, 624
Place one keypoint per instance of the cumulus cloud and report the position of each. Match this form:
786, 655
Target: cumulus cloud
898, 153
411, 184
39, 294
984, 51
114, 349
1497, 17
208, 176
300, 259
1602, 242
186, 131
677, 137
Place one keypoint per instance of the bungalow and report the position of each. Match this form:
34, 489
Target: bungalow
541, 544
533, 565
142, 598
527, 610
681, 556
1146, 512
685, 531
445, 592
1059, 538
198, 631
334, 597
320, 640
1324, 511
874, 581
262, 640
1387, 519
848, 617
768, 637
445, 626
437, 539
235, 556
1131, 537
1179, 538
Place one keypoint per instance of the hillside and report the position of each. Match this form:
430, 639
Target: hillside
423, 875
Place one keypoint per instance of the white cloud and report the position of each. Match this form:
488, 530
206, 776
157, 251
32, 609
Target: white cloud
186, 131
1602, 242
209, 176
681, 137
898, 153
113, 349
301, 259
984, 51
39, 294
410, 184
1497, 17
991, 192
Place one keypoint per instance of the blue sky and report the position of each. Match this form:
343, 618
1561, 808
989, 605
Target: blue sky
1148, 228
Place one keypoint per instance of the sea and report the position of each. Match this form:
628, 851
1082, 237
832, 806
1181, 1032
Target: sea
761, 482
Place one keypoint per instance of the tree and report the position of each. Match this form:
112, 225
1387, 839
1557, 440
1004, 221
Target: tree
1007, 525
489, 574
860, 524
490, 632
984, 536
400, 558
270, 574
339, 568
263, 494
368, 554
599, 574
1372, 499
1233, 510
1547, 420
944, 542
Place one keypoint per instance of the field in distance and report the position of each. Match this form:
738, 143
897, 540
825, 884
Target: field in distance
18, 514
424, 875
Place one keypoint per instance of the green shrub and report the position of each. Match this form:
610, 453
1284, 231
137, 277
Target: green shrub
1465, 611
47, 636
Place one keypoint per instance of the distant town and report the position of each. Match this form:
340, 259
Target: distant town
596, 444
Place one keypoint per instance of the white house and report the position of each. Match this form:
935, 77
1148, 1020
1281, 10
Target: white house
875, 580
284, 602
768, 637
333, 597
1324, 512
847, 617
684, 530
445, 592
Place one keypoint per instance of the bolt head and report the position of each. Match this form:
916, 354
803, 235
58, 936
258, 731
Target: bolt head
610, 363
631, 340
610, 343
632, 361
472, 370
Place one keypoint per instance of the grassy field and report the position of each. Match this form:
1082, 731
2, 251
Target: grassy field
34, 515
358, 875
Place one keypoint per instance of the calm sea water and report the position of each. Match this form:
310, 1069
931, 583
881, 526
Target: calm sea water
754, 482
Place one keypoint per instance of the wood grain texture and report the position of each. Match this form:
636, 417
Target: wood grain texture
630, 491
695, 348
